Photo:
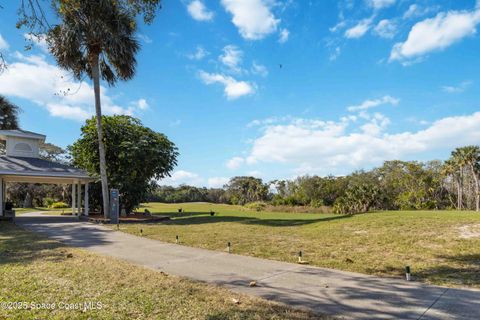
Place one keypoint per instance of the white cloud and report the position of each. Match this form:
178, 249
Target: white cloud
180, 177
67, 112
233, 88
253, 18
232, 57
142, 104
284, 34
3, 43
386, 29
437, 33
380, 4
359, 30
39, 41
34, 79
461, 87
368, 104
199, 54
259, 69
144, 38
340, 25
235, 163
199, 12
412, 11
323, 147
217, 182
255, 174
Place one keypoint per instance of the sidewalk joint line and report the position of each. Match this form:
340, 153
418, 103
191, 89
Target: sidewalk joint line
433, 303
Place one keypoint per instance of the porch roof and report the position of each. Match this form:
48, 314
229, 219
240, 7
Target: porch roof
39, 168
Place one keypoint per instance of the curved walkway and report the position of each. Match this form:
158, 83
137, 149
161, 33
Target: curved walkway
325, 291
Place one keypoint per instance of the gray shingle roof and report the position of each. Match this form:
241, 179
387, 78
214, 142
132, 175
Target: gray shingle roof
38, 167
22, 133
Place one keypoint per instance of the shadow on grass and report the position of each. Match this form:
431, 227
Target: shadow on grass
204, 218
21, 247
463, 269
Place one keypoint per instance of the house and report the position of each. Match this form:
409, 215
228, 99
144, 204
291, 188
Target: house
22, 163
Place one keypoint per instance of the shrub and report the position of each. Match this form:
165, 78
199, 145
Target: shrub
257, 206
47, 202
357, 199
317, 203
59, 205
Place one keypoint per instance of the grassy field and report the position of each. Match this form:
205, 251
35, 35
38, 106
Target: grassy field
442, 247
35, 269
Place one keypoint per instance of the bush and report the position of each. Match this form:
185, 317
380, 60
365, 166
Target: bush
285, 201
59, 205
47, 202
357, 199
316, 203
257, 206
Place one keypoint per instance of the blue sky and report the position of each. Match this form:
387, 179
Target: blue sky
274, 88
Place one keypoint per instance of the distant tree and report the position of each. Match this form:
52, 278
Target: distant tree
450, 171
359, 198
459, 162
135, 156
469, 157
242, 190
97, 38
51, 152
8, 114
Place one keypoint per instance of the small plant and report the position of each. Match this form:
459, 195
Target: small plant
257, 206
47, 202
59, 205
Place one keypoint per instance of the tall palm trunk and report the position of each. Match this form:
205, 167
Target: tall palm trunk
477, 187
457, 180
460, 190
101, 145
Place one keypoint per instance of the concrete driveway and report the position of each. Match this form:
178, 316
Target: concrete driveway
344, 294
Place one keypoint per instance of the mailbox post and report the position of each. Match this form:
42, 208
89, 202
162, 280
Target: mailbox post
114, 206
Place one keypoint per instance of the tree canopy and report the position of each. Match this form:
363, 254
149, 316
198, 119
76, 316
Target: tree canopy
135, 155
8, 114
242, 190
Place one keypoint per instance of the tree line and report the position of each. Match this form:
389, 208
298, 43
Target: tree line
396, 185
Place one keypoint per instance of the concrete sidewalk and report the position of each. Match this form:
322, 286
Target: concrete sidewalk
344, 294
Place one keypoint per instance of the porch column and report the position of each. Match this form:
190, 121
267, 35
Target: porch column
1, 197
87, 207
79, 198
74, 194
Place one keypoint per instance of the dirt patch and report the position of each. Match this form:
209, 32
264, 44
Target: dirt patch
469, 231
360, 232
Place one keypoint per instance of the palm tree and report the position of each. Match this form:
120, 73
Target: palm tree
459, 160
470, 156
450, 168
96, 37
8, 115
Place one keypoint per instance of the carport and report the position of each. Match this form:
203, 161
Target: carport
22, 163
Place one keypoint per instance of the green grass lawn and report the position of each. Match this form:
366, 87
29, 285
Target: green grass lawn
35, 269
20, 211
380, 243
